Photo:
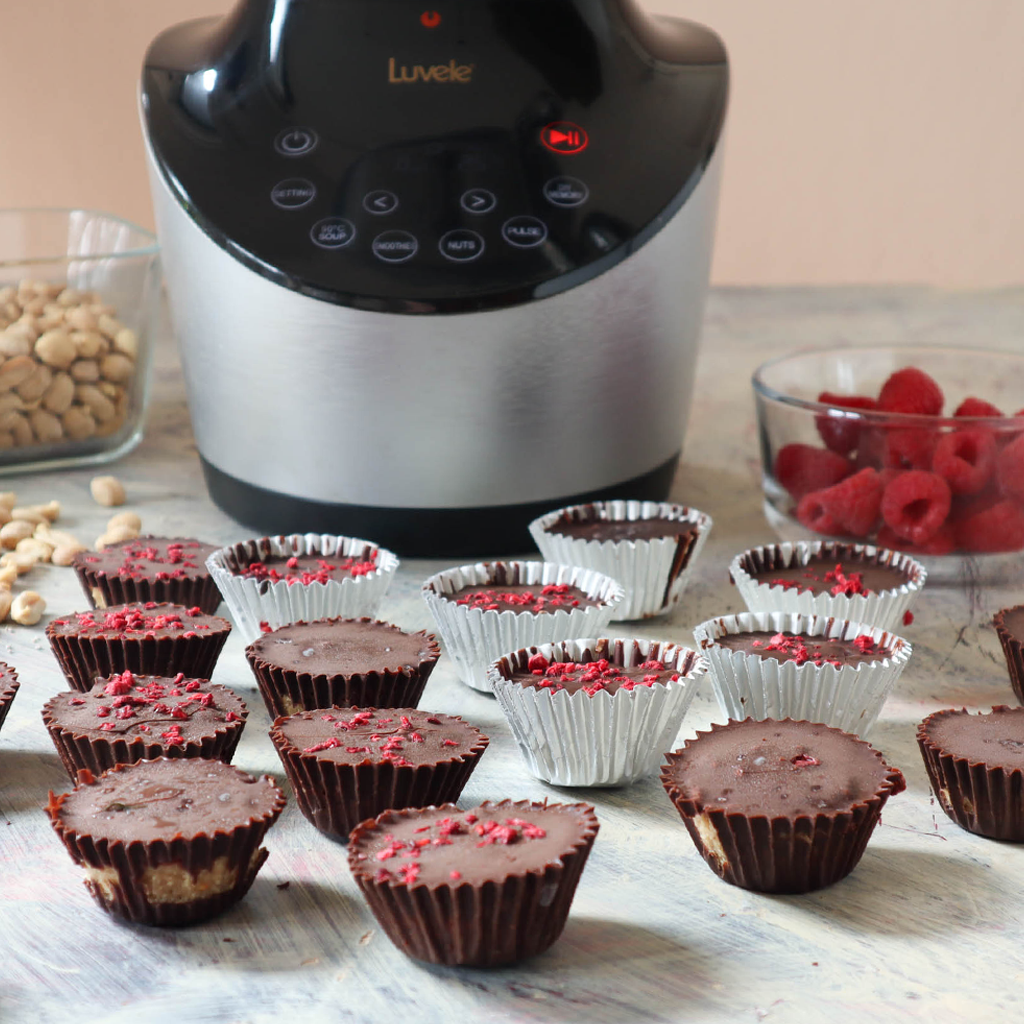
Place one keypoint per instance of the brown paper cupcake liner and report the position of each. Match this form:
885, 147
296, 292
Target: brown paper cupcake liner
83, 658
124, 896
285, 691
780, 854
78, 751
336, 797
487, 925
9, 686
105, 591
1013, 651
988, 801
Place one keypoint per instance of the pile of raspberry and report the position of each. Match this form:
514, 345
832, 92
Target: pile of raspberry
387, 736
595, 676
324, 572
795, 648
134, 620
551, 595
925, 488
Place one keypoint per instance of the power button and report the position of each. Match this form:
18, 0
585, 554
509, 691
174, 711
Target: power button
296, 141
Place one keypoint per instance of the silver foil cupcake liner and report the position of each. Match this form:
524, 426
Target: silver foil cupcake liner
607, 739
474, 638
653, 572
749, 686
256, 603
884, 608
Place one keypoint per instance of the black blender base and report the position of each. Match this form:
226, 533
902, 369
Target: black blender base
416, 533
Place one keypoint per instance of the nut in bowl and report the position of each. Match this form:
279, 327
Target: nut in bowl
917, 449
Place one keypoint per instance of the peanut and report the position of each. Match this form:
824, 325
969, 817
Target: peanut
78, 423
34, 386
22, 563
85, 371
130, 519
45, 426
40, 550
107, 490
55, 348
5, 604
118, 535
16, 371
116, 367
12, 532
64, 554
126, 341
27, 608
29, 514
8, 498
89, 344
101, 407
57, 398
8, 574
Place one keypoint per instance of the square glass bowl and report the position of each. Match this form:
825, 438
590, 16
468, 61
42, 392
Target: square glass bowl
79, 302
948, 484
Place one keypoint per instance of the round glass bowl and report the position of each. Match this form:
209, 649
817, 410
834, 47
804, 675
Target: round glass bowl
931, 485
79, 301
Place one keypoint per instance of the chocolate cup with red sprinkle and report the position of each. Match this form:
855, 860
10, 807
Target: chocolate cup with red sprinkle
488, 609
147, 639
127, 718
341, 662
478, 888
851, 582
1009, 623
349, 764
271, 581
151, 857
169, 570
8, 689
596, 712
807, 667
779, 806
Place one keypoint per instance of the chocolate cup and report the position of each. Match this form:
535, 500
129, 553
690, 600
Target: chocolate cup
1013, 651
124, 896
83, 659
336, 797
9, 686
286, 691
986, 800
779, 854
78, 751
497, 922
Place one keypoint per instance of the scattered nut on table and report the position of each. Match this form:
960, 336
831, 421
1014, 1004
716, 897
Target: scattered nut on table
27, 608
106, 490
129, 519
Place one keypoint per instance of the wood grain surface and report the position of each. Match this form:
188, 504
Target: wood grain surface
927, 928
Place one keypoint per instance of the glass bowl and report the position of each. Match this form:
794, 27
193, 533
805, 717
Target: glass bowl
933, 485
79, 300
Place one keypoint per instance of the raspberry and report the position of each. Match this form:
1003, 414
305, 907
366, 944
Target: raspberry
997, 528
966, 459
1010, 469
976, 407
942, 542
839, 433
911, 390
802, 468
916, 504
813, 514
908, 448
853, 503
871, 447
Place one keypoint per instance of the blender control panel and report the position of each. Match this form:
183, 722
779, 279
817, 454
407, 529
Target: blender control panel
445, 167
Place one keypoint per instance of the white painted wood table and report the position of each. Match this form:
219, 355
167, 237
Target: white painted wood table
929, 927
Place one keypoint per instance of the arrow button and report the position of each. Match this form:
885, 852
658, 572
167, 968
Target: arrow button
380, 202
478, 200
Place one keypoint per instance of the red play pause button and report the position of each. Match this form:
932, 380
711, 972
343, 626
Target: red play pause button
564, 137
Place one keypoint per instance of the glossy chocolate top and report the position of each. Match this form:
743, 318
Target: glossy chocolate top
438, 846
403, 736
536, 598
622, 529
995, 739
160, 558
165, 798
173, 711
592, 677
801, 648
778, 769
138, 621
345, 647
827, 574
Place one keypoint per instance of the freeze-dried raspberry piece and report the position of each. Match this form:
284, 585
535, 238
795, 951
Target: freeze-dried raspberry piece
997, 528
908, 448
942, 542
802, 468
976, 407
1010, 469
812, 513
840, 433
966, 459
916, 504
911, 390
853, 503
